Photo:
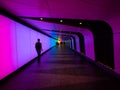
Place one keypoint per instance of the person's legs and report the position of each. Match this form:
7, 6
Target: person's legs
38, 52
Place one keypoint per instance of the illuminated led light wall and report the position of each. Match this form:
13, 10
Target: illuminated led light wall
17, 45
117, 52
72, 41
77, 43
114, 22
51, 41
89, 43
8, 61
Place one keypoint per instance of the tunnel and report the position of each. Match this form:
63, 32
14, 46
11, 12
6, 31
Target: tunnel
80, 46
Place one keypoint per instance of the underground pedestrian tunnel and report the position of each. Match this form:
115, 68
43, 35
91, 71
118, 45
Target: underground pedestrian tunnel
80, 41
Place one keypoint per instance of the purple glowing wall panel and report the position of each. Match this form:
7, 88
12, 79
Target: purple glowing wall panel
77, 43
33, 39
117, 52
23, 44
72, 41
26, 39
45, 42
8, 61
17, 45
89, 43
114, 22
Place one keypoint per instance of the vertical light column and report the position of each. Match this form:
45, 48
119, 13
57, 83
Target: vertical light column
89, 44
117, 52
77, 43
8, 57
23, 44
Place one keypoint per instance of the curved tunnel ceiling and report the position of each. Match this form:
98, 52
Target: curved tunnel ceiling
77, 9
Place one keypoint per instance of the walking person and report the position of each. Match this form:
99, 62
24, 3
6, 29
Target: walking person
38, 47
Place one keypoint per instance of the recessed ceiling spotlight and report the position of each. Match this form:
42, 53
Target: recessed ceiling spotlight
61, 20
80, 23
41, 18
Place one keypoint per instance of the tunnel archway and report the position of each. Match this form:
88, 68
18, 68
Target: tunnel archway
103, 42
102, 33
73, 42
80, 36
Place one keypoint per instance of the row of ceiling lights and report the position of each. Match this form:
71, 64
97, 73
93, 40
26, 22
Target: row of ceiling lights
60, 30
62, 21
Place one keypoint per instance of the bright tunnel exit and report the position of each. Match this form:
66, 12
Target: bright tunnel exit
59, 40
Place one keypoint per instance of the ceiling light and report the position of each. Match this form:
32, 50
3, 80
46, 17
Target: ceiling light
41, 18
61, 20
80, 23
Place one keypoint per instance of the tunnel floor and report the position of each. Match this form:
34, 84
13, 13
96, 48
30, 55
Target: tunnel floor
61, 69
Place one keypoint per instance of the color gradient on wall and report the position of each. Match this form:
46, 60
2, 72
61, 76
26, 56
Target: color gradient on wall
17, 45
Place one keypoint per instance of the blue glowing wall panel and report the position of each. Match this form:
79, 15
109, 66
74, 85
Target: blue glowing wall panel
17, 45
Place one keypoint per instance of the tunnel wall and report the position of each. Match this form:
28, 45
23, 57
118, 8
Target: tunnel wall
103, 43
81, 43
117, 52
68, 43
77, 43
17, 45
114, 22
72, 41
89, 43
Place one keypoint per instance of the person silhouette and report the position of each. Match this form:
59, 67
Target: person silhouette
38, 47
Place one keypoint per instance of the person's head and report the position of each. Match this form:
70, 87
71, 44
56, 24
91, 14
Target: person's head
38, 40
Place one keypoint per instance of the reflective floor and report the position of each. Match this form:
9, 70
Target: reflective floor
61, 69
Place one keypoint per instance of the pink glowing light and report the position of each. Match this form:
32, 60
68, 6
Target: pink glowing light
7, 60
17, 45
